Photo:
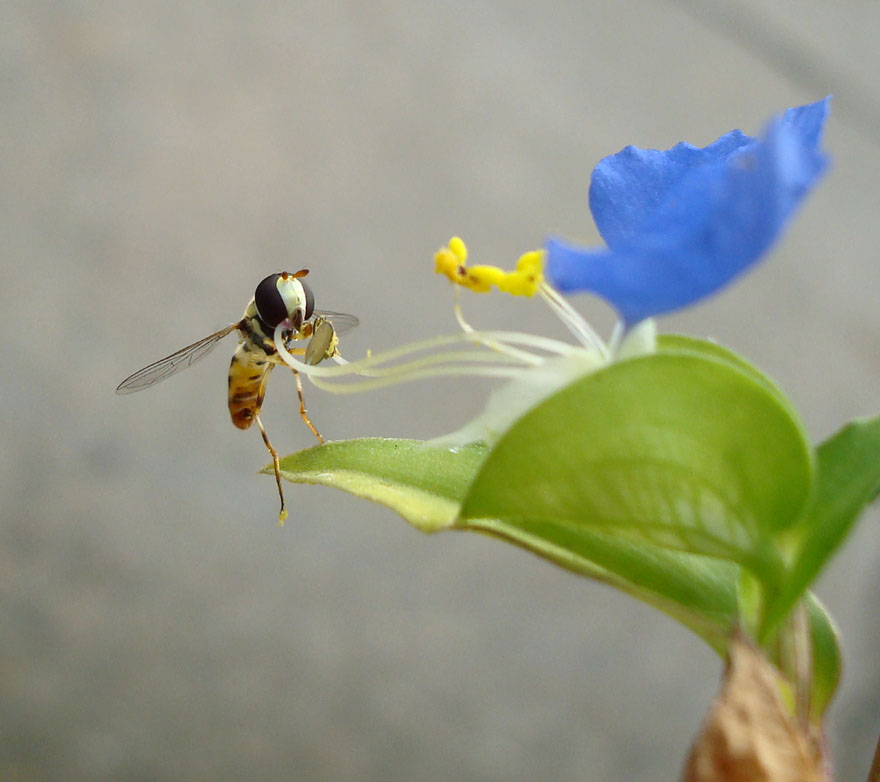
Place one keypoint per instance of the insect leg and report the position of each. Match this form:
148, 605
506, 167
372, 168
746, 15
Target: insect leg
283, 513
302, 406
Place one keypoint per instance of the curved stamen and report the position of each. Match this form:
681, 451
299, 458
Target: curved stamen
546, 344
573, 320
406, 375
523, 355
507, 362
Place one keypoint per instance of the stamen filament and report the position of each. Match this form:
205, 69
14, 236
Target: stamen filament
448, 357
573, 320
466, 327
506, 362
405, 375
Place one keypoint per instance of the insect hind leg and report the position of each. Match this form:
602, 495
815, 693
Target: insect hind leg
282, 515
302, 407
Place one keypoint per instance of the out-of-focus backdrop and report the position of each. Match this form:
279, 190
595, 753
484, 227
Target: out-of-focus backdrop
157, 159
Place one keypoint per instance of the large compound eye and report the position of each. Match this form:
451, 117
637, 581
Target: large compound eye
310, 299
269, 301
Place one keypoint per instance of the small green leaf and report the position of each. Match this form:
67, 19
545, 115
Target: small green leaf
674, 449
827, 660
423, 484
847, 479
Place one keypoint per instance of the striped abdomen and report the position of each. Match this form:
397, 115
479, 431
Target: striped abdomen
248, 374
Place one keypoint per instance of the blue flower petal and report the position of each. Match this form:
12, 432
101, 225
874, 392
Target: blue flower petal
682, 223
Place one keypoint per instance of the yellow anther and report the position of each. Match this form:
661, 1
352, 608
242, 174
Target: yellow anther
451, 261
527, 278
446, 263
531, 262
480, 279
458, 249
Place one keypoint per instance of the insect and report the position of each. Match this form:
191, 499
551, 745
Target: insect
282, 298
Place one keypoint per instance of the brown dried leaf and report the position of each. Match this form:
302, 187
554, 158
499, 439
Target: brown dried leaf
750, 734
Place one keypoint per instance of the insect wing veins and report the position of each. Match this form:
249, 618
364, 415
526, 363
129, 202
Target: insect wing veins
341, 322
171, 365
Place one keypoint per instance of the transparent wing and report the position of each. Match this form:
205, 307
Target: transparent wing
171, 365
340, 321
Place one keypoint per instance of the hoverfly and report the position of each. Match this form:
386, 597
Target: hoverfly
279, 298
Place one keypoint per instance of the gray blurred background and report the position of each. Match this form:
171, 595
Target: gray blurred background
157, 159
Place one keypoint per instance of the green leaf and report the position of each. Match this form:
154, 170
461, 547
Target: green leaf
426, 486
654, 475
423, 484
675, 449
847, 479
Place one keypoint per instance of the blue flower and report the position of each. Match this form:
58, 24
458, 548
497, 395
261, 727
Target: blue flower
682, 223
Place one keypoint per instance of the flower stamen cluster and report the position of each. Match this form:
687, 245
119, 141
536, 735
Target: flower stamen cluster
525, 280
